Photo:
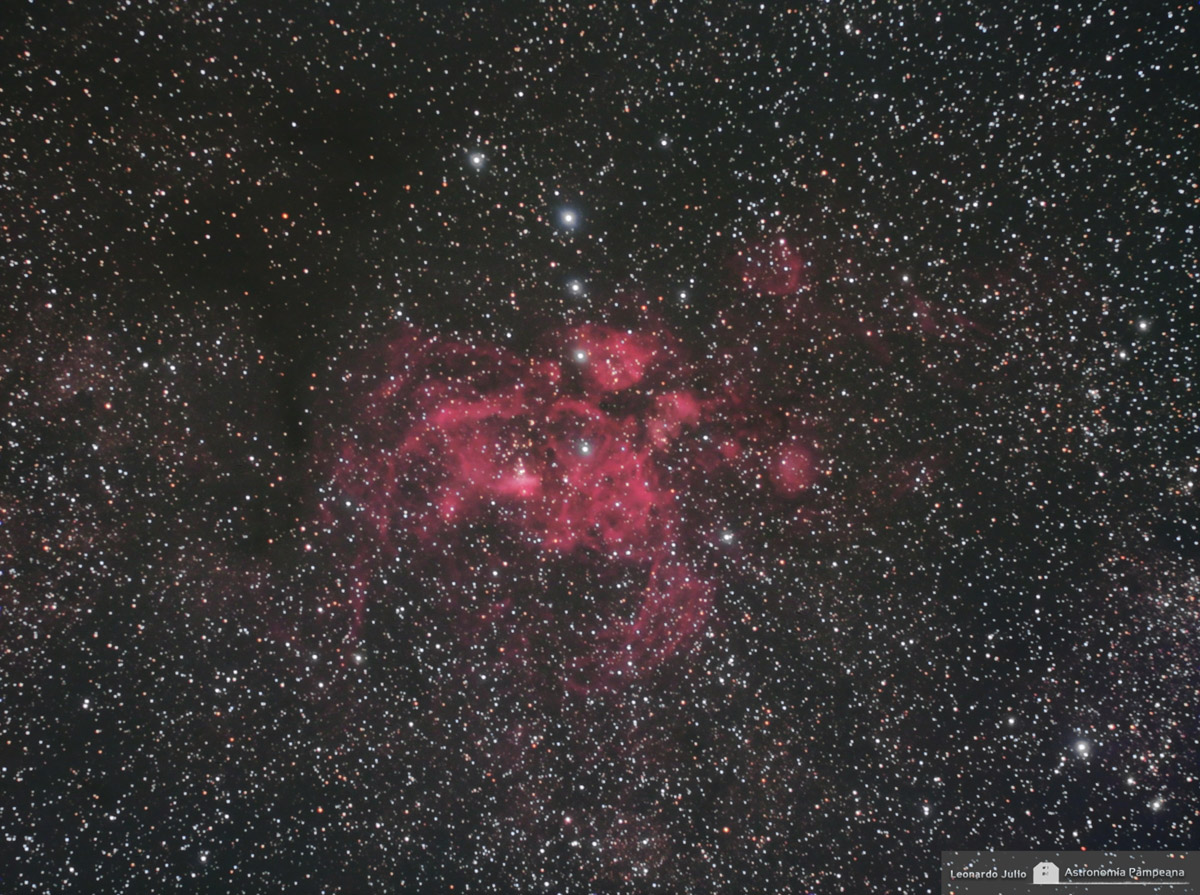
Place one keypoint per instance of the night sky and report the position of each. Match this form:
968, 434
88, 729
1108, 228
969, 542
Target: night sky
594, 447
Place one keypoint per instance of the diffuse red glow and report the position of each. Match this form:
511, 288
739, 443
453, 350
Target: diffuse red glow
581, 460
603, 457
772, 267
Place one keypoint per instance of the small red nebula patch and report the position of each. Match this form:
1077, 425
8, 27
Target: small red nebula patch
612, 359
672, 412
792, 469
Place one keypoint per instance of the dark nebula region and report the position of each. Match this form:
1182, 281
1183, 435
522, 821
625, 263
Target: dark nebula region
619, 447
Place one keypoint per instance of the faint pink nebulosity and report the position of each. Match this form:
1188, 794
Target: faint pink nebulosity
792, 469
577, 460
771, 267
675, 609
613, 359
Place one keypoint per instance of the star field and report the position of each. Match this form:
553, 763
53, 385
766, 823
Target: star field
610, 447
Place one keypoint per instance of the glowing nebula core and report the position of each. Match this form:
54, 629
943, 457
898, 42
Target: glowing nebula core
484, 469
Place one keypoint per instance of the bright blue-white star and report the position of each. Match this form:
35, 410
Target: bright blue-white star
569, 219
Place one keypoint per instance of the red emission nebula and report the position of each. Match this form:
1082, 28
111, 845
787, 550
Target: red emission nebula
556, 506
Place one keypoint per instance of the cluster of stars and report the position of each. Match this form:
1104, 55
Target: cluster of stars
626, 448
